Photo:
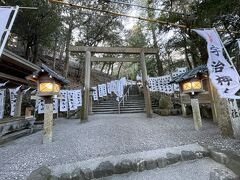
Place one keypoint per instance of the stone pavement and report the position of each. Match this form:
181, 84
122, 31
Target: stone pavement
104, 135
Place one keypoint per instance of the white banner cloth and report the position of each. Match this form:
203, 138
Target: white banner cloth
72, 100
4, 17
223, 76
64, 101
161, 84
78, 95
102, 90
13, 99
26, 90
2, 102
55, 106
3, 84
40, 104
109, 88
95, 93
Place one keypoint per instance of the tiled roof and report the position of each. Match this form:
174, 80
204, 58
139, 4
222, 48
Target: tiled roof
191, 74
52, 73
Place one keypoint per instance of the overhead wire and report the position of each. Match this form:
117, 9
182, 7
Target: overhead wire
144, 7
129, 16
118, 14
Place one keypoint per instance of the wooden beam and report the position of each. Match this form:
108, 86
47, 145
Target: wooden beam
14, 79
112, 59
113, 50
20, 61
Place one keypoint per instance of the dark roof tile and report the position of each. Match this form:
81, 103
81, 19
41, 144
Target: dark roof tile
52, 73
190, 74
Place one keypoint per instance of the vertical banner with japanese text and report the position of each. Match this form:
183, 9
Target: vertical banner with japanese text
2, 100
72, 101
13, 99
95, 93
40, 105
223, 75
78, 95
55, 105
63, 101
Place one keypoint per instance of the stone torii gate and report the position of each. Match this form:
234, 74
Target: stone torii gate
114, 50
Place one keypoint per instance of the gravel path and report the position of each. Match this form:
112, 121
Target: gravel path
104, 135
197, 169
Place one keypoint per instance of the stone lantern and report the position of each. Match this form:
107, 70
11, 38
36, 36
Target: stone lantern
48, 87
194, 89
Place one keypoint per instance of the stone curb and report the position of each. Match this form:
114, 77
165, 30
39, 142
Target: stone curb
219, 174
227, 158
137, 162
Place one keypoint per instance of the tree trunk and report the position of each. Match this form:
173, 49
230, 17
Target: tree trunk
27, 51
109, 68
35, 50
112, 69
155, 44
54, 53
68, 40
62, 47
118, 74
194, 56
104, 64
186, 53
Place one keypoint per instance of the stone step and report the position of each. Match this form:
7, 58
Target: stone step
116, 110
134, 104
125, 102
122, 112
110, 103
116, 105
122, 107
110, 108
114, 100
121, 164
15, 135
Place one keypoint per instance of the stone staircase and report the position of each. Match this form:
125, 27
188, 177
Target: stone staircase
134, 104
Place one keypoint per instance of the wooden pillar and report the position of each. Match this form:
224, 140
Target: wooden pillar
196, 114
28, 111
90, 105
184, 110
18, 109
224, 115
48, 120
86, 86
211, 91
147, 97
235, 117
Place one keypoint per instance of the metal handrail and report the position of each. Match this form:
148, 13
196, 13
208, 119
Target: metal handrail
122, 100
